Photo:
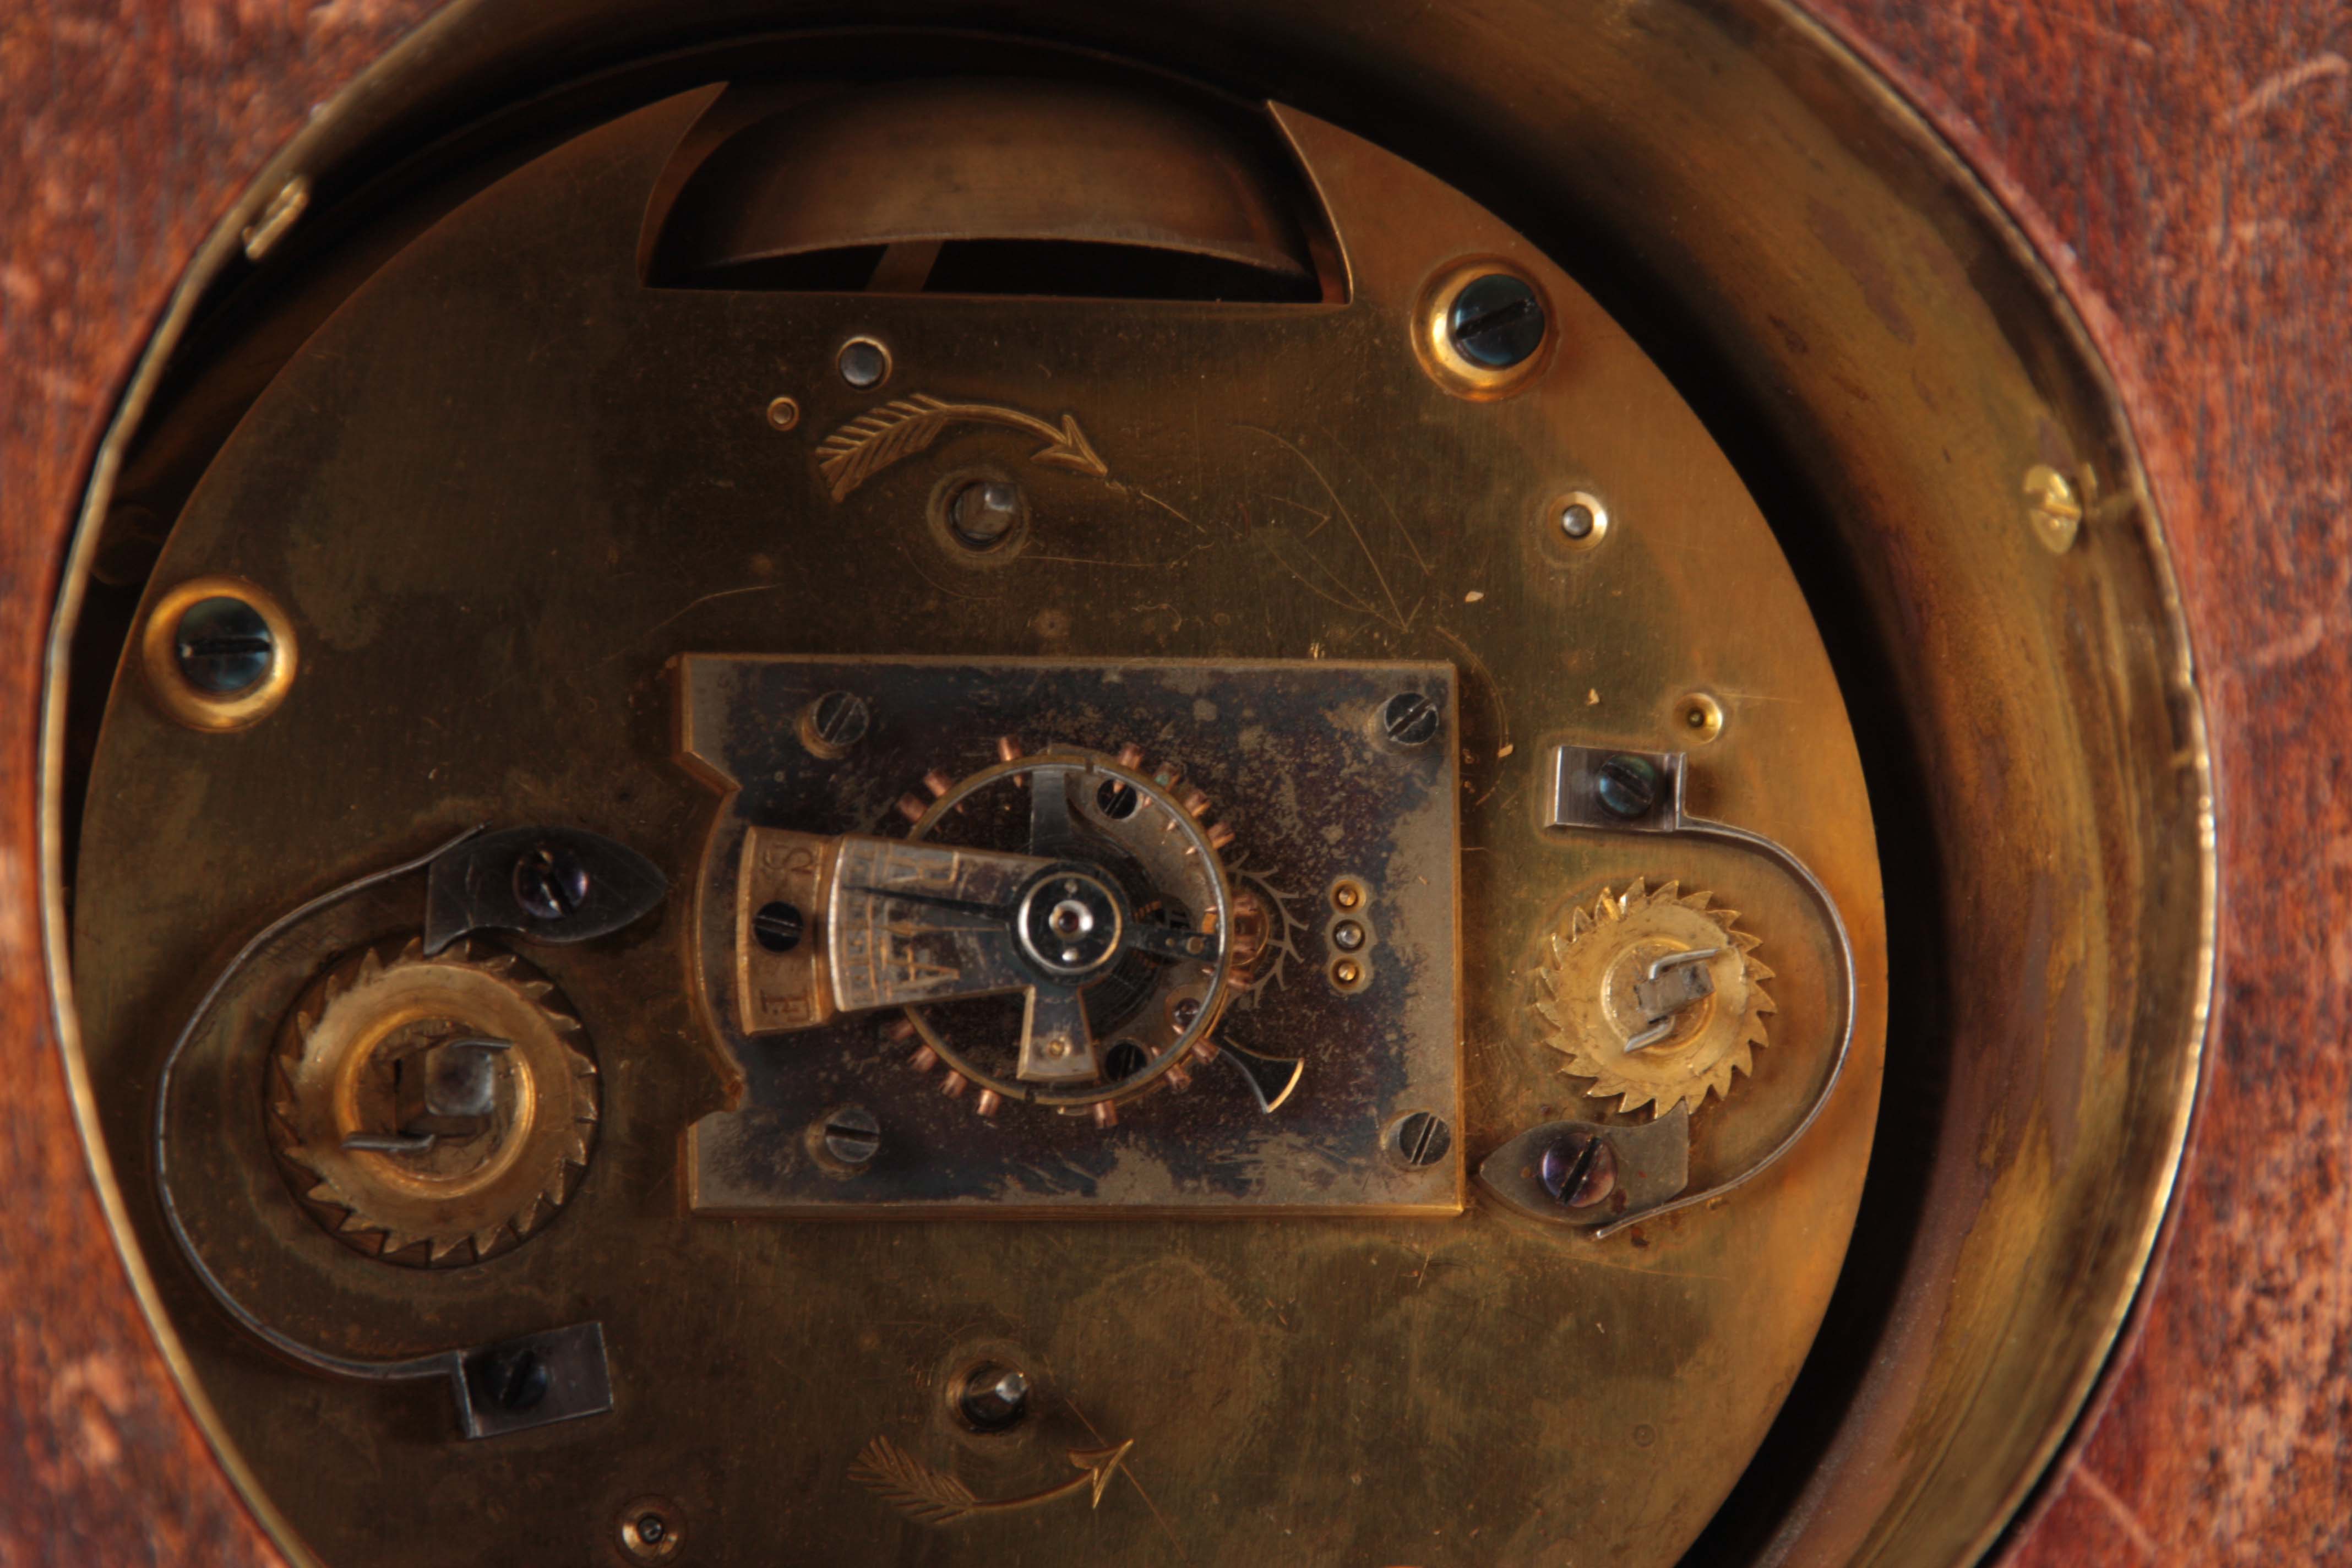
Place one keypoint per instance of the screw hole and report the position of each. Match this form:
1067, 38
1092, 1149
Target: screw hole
1117, 799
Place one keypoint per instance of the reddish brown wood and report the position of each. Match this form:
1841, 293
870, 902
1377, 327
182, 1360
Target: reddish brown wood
129, 128
2188, 166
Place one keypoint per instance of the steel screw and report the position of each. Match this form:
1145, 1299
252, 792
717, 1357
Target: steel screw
550, 881
778, 926
993, 1398
837, 722
1346, 936
1580, 1170
983, 512
1421, 1139
516, 1379
1496, 322
651, 1532
1410, 719
863, 362
1628, 785
852, 1136
224, 646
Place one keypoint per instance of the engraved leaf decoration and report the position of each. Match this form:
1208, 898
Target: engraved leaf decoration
879, 437
905, 426
923, 1494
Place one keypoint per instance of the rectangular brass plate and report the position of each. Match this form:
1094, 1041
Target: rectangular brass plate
1294, 757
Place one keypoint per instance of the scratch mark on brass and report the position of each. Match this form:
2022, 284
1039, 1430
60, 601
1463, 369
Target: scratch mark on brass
905, 426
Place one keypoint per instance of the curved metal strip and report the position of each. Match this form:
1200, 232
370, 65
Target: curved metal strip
577, 1381
1612, 790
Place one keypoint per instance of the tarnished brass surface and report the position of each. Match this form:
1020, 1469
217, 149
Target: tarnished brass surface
508, 484
833, 166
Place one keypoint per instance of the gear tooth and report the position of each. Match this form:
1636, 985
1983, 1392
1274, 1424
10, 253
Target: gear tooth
1551, 1015
413, 949
371, 967
1759, 973
1744, 941
441, 1248
486, 1241
1726, 919
1698, 900
537, 990
1637, 892
530, 1216
1668, 892
577, 1153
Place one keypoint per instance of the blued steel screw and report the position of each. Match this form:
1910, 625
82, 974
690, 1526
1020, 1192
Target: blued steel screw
1496, 322
778, 926
1422, 1139
841, 719
516, 1379
223, 646
549, 881
993, 1398
1628, 785
1580, 1170
852, 1136
1410, 719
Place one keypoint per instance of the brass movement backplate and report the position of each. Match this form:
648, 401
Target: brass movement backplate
831, 599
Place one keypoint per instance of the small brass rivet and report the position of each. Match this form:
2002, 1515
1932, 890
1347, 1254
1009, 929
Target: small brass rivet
783, 413
1347, 972
2056, 511
1579, 518
1700, 718
652, 1531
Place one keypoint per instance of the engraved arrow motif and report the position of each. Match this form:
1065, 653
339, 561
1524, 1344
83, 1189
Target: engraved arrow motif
935, 1498
905, 426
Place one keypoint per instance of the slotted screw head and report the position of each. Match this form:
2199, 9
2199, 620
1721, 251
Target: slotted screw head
1496, 322
852, 1136
1628, 785
1410, 719
1580, 1170
223, 647
550, 881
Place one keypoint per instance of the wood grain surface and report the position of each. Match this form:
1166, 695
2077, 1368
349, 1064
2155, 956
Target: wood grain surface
2186, 165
